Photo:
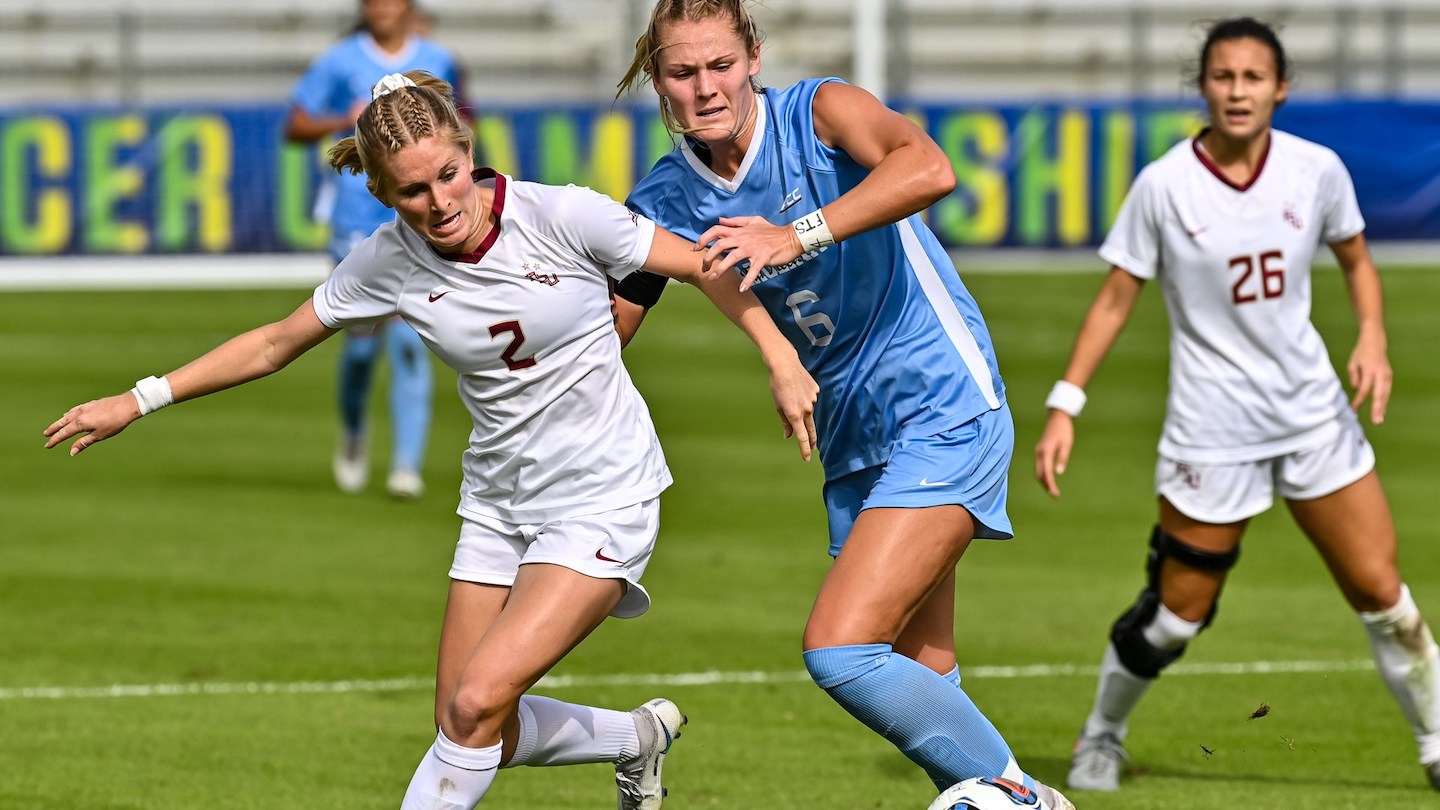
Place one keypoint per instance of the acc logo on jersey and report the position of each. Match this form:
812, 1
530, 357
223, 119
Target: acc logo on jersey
790, 199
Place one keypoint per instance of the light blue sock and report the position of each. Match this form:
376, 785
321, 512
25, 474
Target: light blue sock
357, 365
411, 392
927, 717
953, 676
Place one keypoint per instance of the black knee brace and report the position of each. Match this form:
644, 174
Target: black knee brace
1128, 633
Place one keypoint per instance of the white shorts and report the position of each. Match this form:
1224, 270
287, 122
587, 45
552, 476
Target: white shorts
609, 545
1228, 493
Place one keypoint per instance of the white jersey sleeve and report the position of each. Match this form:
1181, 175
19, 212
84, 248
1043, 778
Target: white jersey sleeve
599, 228
366, 286
1338, 203
1133, 243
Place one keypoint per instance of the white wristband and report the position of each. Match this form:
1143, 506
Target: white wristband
1067, 397
153, 393
813, 231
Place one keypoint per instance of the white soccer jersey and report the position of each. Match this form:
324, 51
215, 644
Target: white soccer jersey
1249, 375
559, 429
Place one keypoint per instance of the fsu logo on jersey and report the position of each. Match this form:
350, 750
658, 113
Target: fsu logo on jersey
1293, 218
535, 275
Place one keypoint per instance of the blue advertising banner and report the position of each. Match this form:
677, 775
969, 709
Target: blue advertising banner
221, 180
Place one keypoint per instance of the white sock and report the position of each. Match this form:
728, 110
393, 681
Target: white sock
451, 777
557, 733
1409, 663
1117, 695
1167, 631
1120, 689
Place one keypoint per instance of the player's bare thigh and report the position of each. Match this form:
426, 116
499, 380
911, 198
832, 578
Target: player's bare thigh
929, 636
470, 609
1190, 592
892, 561
1354, 532
550, 609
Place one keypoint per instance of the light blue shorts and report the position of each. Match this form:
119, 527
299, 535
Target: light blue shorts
967, 466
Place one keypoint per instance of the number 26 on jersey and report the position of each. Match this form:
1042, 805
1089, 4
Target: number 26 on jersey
1260, 276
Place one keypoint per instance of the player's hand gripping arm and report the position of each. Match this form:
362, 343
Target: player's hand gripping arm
792, 387
241, 359
909, 172
1369, 366
1103, 324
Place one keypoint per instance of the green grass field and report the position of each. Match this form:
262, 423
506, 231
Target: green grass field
207, 548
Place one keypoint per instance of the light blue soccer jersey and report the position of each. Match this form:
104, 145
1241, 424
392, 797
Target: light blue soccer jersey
335, 82
881, 320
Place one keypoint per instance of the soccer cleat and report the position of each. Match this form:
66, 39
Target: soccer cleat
404, 484
351, 464
1096, 763
1052, 798
1432, 770
658, 723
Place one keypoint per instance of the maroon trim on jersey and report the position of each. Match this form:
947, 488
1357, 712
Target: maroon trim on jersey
497, 208
1215, 170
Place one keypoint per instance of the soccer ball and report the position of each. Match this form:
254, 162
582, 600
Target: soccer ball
987, 793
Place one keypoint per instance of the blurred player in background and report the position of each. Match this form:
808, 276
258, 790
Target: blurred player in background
1229, 222
508, 283
915, 435
325, 103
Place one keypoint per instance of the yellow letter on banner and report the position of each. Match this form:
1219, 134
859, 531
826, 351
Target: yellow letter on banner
201, 183
1066, 176
294, 210
611, 169
1165, 129
977, 212
108, 182
495, 145
1118, 167
49, 140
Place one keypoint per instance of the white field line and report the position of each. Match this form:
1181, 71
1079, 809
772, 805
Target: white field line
711, 678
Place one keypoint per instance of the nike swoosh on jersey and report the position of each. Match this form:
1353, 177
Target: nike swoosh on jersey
926, 482
600, 555
434, 297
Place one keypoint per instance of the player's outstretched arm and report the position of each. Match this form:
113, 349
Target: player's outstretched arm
909, 172
1369, 366
1103, 323
241, 359
791, 386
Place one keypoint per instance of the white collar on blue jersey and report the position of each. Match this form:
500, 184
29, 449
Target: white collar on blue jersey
758, 138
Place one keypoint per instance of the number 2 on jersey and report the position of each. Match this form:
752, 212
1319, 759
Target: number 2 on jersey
1272, 277
509, 354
